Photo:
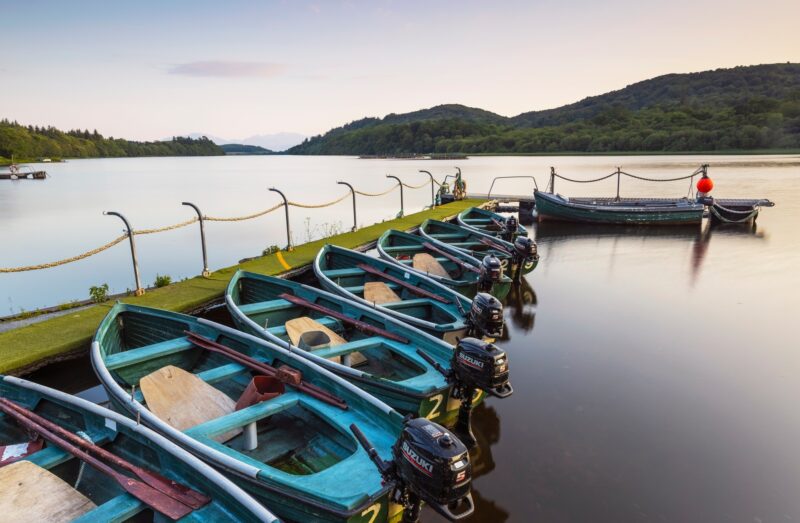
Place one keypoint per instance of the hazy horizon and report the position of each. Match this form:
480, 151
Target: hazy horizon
148, 70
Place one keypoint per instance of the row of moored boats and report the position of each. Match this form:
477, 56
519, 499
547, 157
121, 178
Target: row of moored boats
323, 404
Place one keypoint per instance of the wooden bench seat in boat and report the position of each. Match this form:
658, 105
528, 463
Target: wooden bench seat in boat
298, 326
184, 400
426, 263
148, 352
331, 323
379, 292
33, 493
359, 289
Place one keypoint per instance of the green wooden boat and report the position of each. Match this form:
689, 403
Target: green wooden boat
520, 257
463, 271
618, 211
385, 365
306, 465
429, 306
491, 222
51, 484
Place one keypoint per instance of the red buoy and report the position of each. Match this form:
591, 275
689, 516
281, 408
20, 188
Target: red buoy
705, 185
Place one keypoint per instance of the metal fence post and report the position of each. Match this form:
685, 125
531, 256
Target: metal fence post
433, 200
129, 230
401, 193
618, 178
353, 191
206, 272
286, 209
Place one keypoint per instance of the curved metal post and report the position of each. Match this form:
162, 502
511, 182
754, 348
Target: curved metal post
286, 209
433, 200
353, 192
129, 230
206, 272
401, 193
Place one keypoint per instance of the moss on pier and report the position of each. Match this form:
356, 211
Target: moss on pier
29, 347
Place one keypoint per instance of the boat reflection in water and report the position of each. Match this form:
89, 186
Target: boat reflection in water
520, 306
486, 427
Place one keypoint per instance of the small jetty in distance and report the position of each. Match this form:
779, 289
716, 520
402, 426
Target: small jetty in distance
16, 173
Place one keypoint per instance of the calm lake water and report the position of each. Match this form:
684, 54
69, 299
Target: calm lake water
655, 371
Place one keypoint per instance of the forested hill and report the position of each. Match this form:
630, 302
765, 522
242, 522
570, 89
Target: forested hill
743, 108
30, 142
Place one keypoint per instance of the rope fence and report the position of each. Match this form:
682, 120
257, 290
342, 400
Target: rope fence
191, 221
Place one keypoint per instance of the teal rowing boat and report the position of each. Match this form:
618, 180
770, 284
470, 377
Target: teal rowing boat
408, 295
361, 344
484, 220
443, 263
520, 257
291, 438
54, 450
618, 211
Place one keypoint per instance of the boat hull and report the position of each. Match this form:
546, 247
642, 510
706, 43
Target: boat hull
485, 221
675, 212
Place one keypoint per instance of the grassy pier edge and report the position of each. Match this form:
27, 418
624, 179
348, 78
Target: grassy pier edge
33, 346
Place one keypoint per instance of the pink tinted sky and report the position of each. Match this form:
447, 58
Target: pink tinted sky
147, 70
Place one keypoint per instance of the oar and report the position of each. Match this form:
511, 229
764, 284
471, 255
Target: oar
413, 288
460, 263
151, 497
493, 245
360, 325
172, 489
268, 370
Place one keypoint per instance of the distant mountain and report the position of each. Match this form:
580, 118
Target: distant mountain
237, 148
742, 108
273, 142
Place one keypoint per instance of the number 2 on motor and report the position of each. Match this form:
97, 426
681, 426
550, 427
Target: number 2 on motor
437, 400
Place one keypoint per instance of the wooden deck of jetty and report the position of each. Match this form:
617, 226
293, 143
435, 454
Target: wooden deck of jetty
27, 348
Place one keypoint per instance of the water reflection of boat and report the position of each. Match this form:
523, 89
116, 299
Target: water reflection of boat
521, 304
552, 232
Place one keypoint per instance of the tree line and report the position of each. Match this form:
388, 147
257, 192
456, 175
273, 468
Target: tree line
32, 142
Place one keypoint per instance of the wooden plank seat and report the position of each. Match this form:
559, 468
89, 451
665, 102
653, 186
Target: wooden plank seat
379, 292
298, 326
33, 493
331, 323
359, 289
148, 352
426, 263
183, 400
447, 235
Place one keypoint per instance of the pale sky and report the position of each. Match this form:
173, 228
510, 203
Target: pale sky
148, 70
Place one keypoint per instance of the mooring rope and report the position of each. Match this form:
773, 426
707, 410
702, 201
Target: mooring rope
721, 218
66, 260
420, 186
584, 181
661, 179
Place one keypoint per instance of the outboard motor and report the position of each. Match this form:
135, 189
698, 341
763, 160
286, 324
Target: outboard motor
476, 365
510, 228
428, 464
525, 253
485, 317
491, 273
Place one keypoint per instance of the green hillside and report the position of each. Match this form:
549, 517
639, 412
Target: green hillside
31, 142
241, 149
743, 108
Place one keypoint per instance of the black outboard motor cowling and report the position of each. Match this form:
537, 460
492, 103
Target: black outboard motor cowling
480, 365
510, 229
491, 272
485, 316
525, 252
429, 464
433, 463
